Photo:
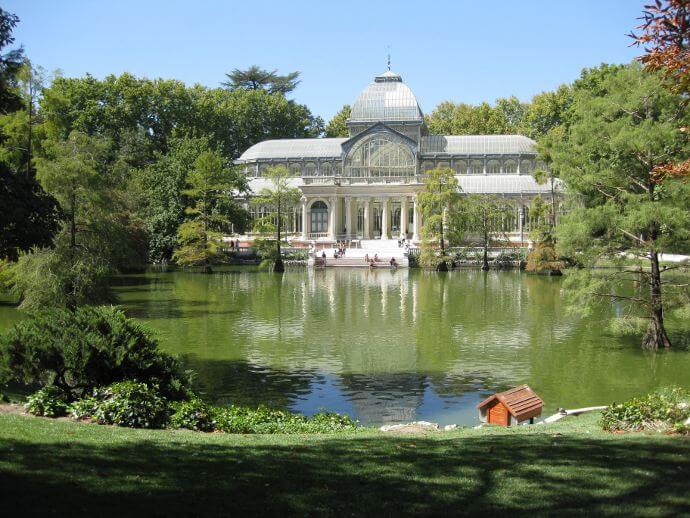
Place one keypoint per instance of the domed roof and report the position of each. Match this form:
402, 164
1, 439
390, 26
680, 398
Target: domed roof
386, 99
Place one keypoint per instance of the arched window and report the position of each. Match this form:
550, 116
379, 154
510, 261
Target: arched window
526, 166
319, 217
493, 167
262, 169
310, 169
295, 169
443, 164
477, 167
460, 167
510, 167
325, 169
381, 157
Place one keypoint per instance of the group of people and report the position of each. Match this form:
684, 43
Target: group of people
372, 261
235, 243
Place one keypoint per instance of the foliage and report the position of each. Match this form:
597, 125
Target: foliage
440, 197
47, 402
60, 277
193, 414
665, 36
256, 78
210, 182
543, 258
662, 410
77, 351
29, 214
279, 198
449, 118
126, 403
485, 216
10, 64
608, 163
336, 127
236, 419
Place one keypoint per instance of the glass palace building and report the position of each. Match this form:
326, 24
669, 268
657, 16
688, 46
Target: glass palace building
365, 186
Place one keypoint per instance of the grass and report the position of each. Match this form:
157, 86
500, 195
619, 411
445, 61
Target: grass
67, 468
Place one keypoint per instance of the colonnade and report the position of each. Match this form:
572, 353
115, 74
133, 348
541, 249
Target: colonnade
343, 216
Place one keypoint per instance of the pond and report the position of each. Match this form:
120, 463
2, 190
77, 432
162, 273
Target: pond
388, 346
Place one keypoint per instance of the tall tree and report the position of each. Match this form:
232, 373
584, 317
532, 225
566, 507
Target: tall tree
199, 237
280, 197
439, 197
609, 160
336, 127
10, 64
485, 216
256, 78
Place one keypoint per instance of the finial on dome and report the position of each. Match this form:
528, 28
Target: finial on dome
389, 60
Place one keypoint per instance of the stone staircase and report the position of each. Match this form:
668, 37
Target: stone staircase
355, 257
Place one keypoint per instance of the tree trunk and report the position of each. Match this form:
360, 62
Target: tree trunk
655, 336
279, 267
485, 259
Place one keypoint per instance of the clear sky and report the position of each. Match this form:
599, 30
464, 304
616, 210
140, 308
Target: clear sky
469, 51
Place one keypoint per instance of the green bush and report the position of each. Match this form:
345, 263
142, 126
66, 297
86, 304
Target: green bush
48, 402
262, 419
77, 351
127, 403
193, 415
663, 410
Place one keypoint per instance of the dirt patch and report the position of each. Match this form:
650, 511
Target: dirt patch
11, 408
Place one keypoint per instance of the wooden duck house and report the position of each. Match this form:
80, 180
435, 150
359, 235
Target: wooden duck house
515, 406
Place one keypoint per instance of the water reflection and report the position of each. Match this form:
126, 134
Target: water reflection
388, 346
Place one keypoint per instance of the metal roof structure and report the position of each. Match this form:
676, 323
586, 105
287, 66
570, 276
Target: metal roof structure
478, 145
294, 148
386, 99
503, 184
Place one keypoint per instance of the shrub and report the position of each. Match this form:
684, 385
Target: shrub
77, 351
193, 415
235, 419
127, 403
543, 259
662, 410
48, 402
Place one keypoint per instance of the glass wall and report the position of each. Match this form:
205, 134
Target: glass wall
380, 157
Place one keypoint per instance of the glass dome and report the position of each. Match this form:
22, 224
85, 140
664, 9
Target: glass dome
386, 99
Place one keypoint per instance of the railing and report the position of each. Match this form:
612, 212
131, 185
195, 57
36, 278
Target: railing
318, 235
356, 180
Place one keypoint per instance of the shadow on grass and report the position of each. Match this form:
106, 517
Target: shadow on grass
518, 474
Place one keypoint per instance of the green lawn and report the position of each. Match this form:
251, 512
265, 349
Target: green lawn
66, 468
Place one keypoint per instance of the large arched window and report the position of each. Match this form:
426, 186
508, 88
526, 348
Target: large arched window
381, 157
319, 217
310, 169
460, 167
295, 169
477, 167
510, 166
493, 167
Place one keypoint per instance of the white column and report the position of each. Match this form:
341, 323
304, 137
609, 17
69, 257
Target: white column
403, 217
385, 219
305, 214
332, 218
365, 230
348, 217
415, 220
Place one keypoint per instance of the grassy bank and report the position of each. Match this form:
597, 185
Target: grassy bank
63, 467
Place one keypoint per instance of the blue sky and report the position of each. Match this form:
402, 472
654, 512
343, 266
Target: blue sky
458, 50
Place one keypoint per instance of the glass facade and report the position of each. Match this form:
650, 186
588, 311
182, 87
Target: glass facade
380, 157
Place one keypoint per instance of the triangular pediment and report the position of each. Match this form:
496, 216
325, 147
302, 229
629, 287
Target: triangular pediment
377, 129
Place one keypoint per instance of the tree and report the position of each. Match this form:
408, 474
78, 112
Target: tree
439, 197
199, 237
10, 64
449, 118
29, 215
609, 161
280, 198
665, 36
256, 78
487, 216
336, 127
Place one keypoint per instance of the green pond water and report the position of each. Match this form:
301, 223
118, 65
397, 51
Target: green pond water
388, 346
